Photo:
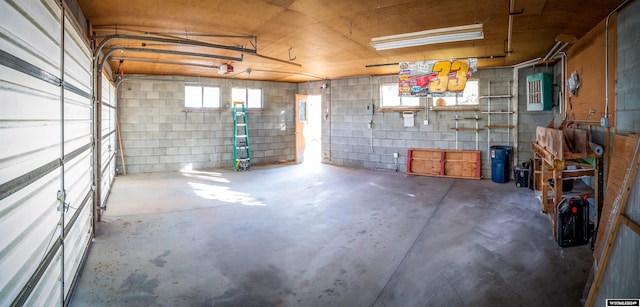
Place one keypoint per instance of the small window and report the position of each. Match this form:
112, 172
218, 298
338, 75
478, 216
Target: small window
467, 97
252, 97
389, 97
201, 97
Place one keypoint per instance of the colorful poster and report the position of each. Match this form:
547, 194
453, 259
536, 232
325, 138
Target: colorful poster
435, 77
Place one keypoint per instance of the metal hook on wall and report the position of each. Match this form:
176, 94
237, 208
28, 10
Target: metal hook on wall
291, 58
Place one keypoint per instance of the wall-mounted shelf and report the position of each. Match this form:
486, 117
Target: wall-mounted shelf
467, 129
498, 115
499, 127
466, 118
457, 128
454, 108
497, 112
391, 110
495, 96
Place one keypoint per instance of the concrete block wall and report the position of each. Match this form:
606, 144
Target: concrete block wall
628, 70
158, 135
348, 141
528, 121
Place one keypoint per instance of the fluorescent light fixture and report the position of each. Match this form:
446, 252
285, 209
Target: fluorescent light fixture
436, 36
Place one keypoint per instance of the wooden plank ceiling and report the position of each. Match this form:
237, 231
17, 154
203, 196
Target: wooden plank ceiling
306, 40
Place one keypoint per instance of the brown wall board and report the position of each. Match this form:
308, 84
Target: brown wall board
551, 140
587, 58
577, 140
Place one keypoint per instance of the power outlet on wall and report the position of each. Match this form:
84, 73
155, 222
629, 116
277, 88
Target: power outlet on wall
395, 155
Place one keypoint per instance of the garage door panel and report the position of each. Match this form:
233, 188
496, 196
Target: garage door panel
75, 78
37, 158
77, 74
77, 55
77, 122
76, 106
29, 225
77, 181
78, 217
77, 240
114, 138
107, 181
107, 149
106, 117
41, 136
108, 90
108, 134
19, 157
76, 136
78, 169
109, 138
107, 127
30, 26
30, 119
47, 291
23, 97
109, 163
108, 168
31, 205
78, 200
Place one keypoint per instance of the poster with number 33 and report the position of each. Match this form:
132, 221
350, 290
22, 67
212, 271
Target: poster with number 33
435, 77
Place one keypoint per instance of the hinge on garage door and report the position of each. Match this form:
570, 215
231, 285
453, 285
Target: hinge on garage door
63, 205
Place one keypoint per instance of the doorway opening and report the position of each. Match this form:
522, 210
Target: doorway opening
313, 130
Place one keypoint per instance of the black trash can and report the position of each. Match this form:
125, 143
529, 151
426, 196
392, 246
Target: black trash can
500, 163
521, 176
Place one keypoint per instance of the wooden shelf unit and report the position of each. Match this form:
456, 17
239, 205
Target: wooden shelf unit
497, 117
553, 155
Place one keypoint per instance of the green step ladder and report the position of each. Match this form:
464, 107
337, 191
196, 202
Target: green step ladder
241, 152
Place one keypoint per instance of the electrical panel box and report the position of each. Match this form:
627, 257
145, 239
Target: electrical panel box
369, 109
539, 92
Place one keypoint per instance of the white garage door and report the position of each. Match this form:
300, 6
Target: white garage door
46, 153
109, 139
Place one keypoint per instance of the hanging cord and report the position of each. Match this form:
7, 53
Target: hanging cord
493, 12
372, 107
50, 240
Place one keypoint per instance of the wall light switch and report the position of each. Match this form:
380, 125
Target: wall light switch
369, 109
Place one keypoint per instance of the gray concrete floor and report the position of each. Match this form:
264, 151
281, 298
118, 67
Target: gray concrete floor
320, 235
